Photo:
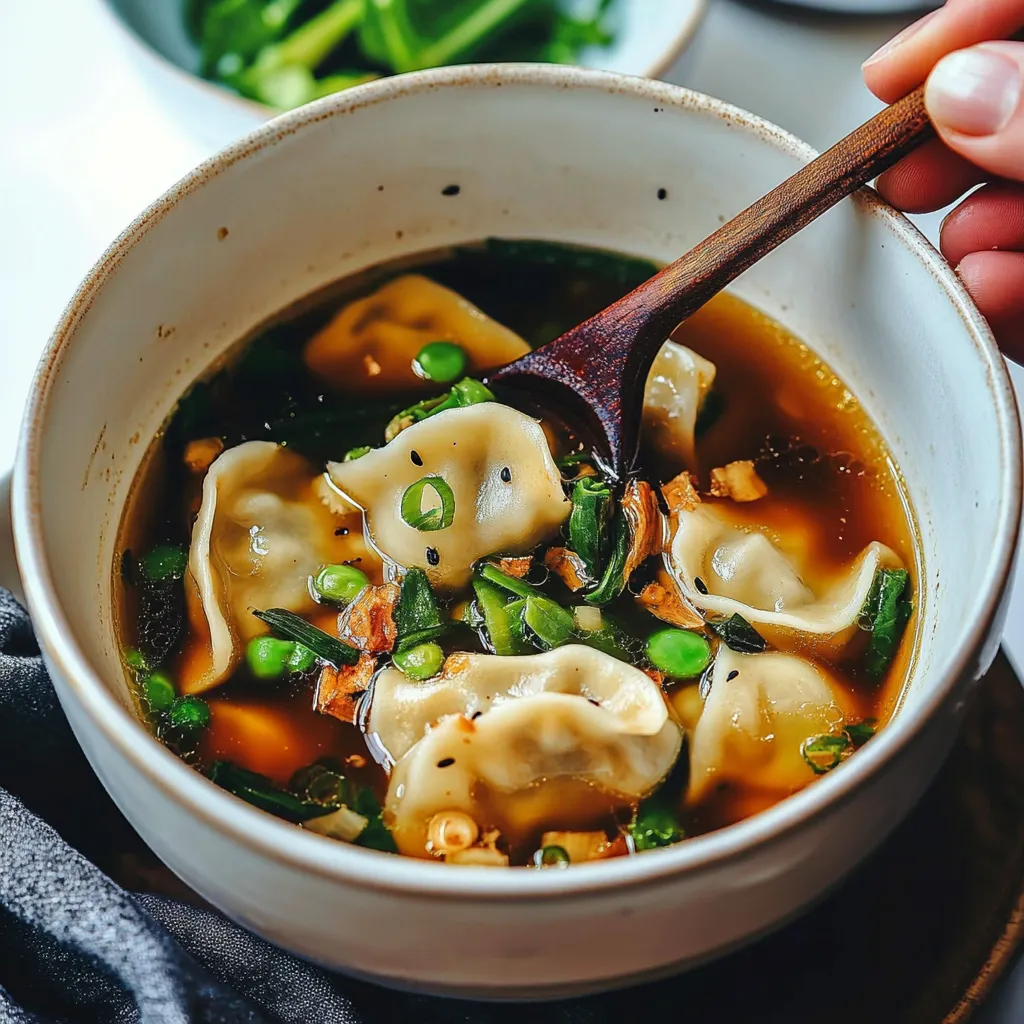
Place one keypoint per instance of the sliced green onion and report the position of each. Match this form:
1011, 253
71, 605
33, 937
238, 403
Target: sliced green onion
613, 640
376, 835
655, 824
421, 662
551, 857
823, 753
548, 621
434, 518
259, 791
465, 393
739, 635
592, 507
417, 617
290, 626
492, 602
885, 615
861, 732
356, 453
512, 584
679, 653
613, 582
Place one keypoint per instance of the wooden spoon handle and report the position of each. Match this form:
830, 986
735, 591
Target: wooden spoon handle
682, 287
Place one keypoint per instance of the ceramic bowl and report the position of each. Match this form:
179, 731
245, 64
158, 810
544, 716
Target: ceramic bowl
651, 37
538, 152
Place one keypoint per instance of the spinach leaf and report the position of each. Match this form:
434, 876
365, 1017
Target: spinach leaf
885, 614
376, 835
739, 635
592, 509
613, 582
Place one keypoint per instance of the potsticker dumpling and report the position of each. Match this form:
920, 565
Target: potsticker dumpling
453, 488
743, 572
760, 710
268, 521
370, 346
494, 736
677, 386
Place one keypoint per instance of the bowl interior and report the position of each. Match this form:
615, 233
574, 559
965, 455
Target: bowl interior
538, 153
650, 33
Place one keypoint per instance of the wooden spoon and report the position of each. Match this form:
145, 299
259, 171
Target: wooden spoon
595, 373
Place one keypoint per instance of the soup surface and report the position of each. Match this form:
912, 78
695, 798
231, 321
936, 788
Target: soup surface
359, 591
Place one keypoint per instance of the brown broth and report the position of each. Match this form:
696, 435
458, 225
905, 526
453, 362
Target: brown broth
830, 479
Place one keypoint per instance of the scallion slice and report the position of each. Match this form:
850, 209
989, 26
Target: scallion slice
417, 617
552, 624
436, 517
493, 574
613, 582
589, 520
290, 626
492, 602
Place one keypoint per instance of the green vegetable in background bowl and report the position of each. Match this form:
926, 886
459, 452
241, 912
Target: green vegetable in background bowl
288, 52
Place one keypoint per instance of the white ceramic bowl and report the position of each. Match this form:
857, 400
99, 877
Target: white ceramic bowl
651, 36
568, 155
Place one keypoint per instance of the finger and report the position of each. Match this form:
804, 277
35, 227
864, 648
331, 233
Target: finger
991, 218
904, 62
996, 282
929, 179
975, 99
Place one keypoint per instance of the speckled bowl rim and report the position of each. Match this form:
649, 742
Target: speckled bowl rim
373, 871
674, 49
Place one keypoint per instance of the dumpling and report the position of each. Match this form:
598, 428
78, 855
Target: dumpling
677, 385
760, 710
369, 347
743, 572
509, 725
266, 524
480, 479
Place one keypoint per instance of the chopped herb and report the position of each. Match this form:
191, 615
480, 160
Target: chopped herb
613, 582
492, 602
655, 823
739, 635
551, 857
376, 835
417, 617
259, 791
592, 508
467, 392
435, 516
289, 626
356, 453
861, 732
552, 624
189, 714
885, 614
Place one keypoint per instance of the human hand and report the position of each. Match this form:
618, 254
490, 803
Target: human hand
975, 97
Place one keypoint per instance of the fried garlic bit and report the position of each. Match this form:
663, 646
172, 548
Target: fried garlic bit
517, 567
680, 493
567, 566
338, 690
200, 454
739, 481
646, 526
663, 601
368, 622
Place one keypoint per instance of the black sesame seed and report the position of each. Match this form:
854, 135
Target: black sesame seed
416, 458
476, 715
731, 676
450, 190
341, 531
506, 475
432, 556
701, 586
663, 193
446, 762
596, 703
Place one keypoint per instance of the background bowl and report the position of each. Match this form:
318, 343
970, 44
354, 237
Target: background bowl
538, 152
652, 36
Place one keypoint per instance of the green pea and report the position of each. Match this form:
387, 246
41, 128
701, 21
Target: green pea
442, 361
164, 562
423, 661
268, 657
679, 653
158, 691
551, 857
135, 660
191, 714
302, 659
343, 583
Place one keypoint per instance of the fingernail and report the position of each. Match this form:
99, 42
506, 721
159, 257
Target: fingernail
973, 92
900, 38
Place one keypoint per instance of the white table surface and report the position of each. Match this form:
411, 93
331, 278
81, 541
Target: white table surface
100, 130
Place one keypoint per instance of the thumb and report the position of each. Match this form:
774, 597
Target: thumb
975, 97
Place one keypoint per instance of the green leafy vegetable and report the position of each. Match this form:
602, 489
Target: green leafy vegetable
161, 606
592, 508
823, 753
613, 582
739, 635
885, 615
376, 835
356, 453
492, 601
655, 823
417, 617
259, 791
551, 857
490, 572
290, 626
612, 639
861, 732
467, 392
548, 621
435, 516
